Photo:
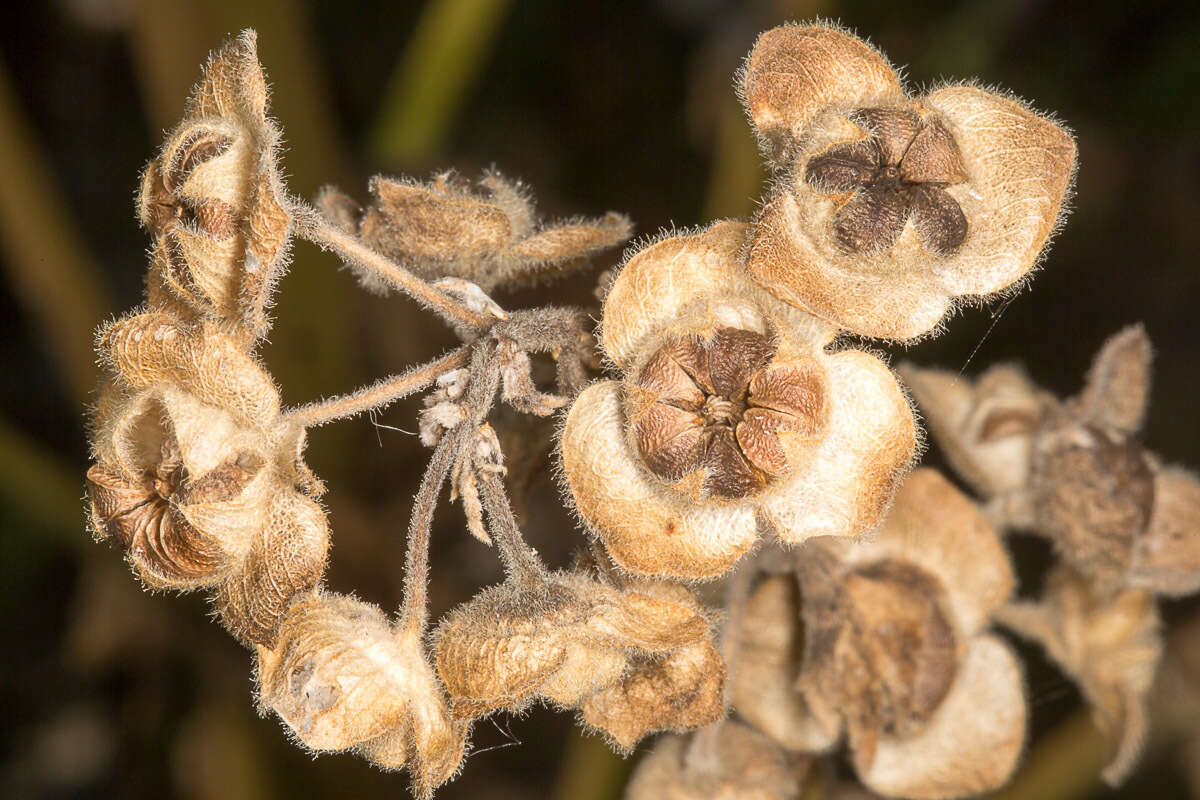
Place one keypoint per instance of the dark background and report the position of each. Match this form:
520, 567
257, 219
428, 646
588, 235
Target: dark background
108, 691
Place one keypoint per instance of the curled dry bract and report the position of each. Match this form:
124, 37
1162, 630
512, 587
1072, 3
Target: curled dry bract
892, 207
341, 677
196, 474
731, 413
563, 643
214, 202
895, 649
444, 228
1109, 644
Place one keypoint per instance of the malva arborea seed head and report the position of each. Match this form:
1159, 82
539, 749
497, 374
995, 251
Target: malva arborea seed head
731, 415
214, 202
343, 677
196, 476
896, 652
736, 416
888, 207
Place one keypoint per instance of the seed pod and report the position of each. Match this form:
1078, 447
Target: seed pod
678, 691
196, 475
729, 762
1109, 644
731, 414
444, 229
341, 677
893, 207
894, 650
214, 202
509, 645
1114, 512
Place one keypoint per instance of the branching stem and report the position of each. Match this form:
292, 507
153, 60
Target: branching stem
521, 561
415, 606
380, 394
315, 228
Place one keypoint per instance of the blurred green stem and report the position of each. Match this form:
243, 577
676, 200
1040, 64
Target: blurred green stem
48, 265
452, 39
737, 173
38, 487
1064, 764
590, 770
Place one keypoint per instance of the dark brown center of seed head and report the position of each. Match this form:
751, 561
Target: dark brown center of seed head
717, 405
879, 647
899, 171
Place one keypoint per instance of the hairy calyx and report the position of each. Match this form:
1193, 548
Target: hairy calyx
720, 406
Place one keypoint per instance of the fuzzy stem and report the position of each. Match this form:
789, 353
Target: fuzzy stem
415, 611
379, 394
312, 226
521, 561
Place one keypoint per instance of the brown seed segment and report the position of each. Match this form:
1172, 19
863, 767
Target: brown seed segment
879, 647
901, 170
719, 406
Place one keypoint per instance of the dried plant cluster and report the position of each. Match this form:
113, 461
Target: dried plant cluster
733, 435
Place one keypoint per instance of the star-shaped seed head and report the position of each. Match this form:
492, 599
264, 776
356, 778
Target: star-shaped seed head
718, 406
899, 171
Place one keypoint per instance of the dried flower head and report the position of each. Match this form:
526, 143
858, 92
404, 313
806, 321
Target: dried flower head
1113, 510
890, 206
214, 202
1074, 470
728, 762
675, 691
731, 414
1110, 646
196, 474
444, 228
341, 677
894, 649
986, 428
509, 646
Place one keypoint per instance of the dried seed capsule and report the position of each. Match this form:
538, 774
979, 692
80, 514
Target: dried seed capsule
214, 202
732, 414
198, 478
341, 677
893, 207
728, 762
894, 649
770, 649
510, 645
985, 427
443, 228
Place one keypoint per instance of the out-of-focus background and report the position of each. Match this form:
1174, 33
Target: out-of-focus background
111, 692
